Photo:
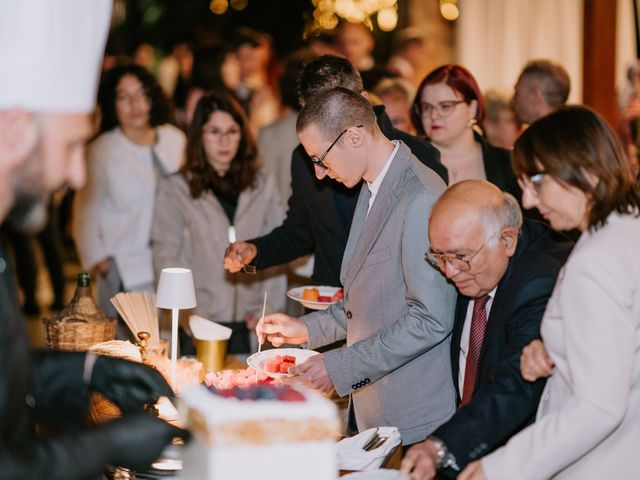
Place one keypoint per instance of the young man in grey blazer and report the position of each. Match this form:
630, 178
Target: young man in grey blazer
397, 312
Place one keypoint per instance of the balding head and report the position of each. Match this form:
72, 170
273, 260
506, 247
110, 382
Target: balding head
474, 226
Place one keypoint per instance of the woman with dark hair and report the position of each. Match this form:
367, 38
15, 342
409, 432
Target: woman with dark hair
218, 196
447, 107
572, 169
112, 213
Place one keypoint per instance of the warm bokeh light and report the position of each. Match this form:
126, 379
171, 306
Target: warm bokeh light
328, 13
449, 11
387, 19
219, 6
239, 4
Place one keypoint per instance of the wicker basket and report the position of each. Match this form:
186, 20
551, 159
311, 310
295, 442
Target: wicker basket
78, 336
81, 324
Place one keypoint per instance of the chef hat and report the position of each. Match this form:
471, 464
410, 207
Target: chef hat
51, 52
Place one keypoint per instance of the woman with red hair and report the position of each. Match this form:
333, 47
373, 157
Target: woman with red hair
447, 107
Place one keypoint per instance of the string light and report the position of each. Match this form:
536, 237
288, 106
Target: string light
327, 13
239, 4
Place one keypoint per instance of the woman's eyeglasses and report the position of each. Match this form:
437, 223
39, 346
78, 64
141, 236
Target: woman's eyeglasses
533, 183
444, 109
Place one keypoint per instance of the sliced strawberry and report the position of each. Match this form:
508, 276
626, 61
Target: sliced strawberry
284, 367
288, 359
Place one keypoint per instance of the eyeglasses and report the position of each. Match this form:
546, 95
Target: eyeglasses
456, 260
533, 183
320, 160
233, 134
138, 95
444, 109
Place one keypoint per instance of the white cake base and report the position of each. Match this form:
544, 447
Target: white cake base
304, 460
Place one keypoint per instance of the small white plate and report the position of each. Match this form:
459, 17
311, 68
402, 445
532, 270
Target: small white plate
381, 474
296, 294
257, 360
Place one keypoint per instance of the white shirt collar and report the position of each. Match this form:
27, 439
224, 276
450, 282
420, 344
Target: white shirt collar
375, 185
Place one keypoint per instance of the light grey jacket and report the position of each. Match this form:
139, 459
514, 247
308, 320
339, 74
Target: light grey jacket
194, 234
397, 313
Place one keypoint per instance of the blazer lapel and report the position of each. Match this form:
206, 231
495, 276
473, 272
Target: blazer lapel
356, 229
456, 336
372, 224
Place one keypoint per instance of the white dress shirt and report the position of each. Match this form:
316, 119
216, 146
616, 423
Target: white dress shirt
375, 185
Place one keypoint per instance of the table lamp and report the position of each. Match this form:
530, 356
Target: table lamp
175, 292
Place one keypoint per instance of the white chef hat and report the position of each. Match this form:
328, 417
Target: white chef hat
51, 52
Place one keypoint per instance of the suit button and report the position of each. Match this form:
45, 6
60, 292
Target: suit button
367, 381
354, 387
349, 315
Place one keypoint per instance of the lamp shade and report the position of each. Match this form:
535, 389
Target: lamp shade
175, 289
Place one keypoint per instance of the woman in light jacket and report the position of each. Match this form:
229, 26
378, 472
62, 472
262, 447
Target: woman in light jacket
572, 169
218, 196
112, 214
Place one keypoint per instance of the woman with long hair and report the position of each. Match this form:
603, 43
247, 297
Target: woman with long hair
219, 195
137, 146
573, 170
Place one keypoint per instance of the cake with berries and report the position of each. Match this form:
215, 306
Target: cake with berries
259, 431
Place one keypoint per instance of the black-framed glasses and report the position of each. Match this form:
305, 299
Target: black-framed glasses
456, 260
444, 109
533, 183
320, 160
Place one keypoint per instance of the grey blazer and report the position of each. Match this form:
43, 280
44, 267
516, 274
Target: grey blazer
397, 313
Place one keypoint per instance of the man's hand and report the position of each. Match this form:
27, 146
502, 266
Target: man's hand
129, 385
312, 373
420, 461
137, 439
239, 254
474, 471
103, 266
280, 328
535, 363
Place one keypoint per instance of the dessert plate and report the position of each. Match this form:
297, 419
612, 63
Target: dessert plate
258, 360
298, 292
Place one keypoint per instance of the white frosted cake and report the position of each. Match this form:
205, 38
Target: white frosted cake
260, 432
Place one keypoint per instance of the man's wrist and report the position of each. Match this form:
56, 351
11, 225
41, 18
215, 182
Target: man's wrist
445, 459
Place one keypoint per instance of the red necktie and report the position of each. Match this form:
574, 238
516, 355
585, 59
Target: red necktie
478, 325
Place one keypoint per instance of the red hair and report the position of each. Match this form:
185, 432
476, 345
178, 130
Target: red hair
458, 79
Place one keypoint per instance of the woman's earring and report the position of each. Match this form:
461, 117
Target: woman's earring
472, 122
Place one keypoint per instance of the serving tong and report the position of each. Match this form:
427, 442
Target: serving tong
375, 441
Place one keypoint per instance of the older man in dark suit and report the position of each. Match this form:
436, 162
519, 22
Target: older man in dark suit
504, 271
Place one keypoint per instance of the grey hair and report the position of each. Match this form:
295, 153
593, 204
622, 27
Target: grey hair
506, 214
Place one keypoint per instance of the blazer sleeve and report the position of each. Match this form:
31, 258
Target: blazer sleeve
167, 228
427, 322
294, 238
505, 404
599, 335
87, 205
327, 326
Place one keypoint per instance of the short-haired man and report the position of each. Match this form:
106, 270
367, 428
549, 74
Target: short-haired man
397, 313
50, 54
321, 210
504, 271
543, 87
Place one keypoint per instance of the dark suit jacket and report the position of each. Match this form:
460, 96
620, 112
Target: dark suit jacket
503, 402
320, 211
38, 380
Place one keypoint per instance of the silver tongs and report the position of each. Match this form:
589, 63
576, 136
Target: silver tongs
374, 442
